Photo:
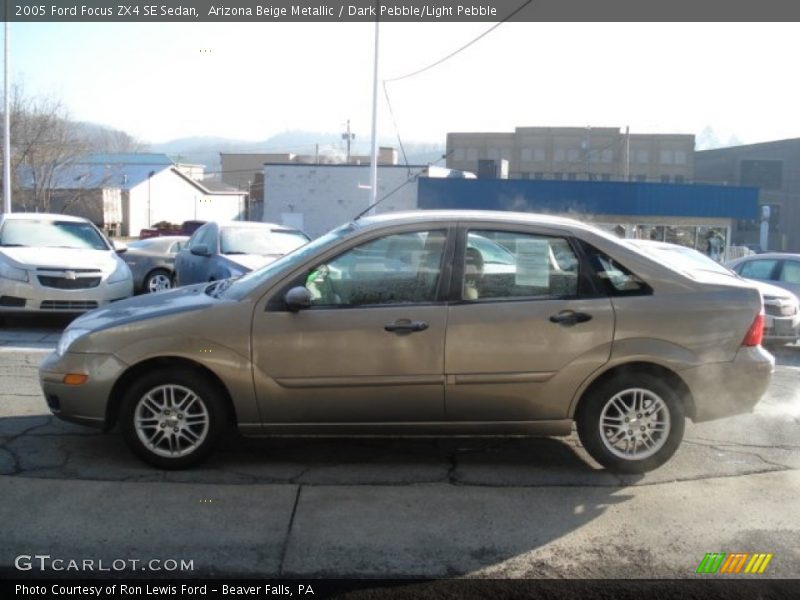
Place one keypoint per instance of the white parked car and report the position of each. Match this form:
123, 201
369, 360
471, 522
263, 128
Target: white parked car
58, 264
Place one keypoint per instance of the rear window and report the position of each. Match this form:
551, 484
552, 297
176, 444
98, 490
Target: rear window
252, 240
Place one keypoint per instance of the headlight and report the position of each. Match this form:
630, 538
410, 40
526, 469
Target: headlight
121, 273
69, 336
14, 273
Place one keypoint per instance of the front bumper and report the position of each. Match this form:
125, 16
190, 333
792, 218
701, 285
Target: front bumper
86, 403
781, 329
725, 389
33, 297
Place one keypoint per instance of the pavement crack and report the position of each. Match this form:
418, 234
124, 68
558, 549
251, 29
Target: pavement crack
713, 443
289, 530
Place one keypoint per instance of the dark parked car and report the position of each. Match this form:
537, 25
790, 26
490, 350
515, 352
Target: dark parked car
165, 228
152, 262
222, 250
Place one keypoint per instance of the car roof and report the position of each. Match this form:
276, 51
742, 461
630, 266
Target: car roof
42, 216
472, 215
163, 239
254, 224
771, 255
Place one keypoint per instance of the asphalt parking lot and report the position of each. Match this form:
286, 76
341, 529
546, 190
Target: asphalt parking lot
396, 508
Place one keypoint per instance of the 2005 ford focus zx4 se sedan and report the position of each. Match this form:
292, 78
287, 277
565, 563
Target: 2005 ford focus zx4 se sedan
424, 323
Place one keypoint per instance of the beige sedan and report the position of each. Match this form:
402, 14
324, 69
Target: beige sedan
398, 325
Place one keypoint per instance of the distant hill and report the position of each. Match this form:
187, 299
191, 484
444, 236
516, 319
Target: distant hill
206, 150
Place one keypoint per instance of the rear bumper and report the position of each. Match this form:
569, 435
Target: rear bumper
725, 389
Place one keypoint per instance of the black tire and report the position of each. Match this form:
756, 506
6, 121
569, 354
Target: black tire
177, 447
157, 278
611, 450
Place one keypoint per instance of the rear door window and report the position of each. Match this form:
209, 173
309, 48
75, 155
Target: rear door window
505, 264
758, 269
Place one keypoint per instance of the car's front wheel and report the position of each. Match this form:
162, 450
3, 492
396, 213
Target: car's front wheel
631, 424
173, 418
158, 281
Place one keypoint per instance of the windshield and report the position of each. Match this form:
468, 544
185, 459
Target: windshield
52, 234
247, 283
260, 241
684, 259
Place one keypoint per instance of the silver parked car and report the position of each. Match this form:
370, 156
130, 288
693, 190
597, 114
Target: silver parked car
58, 264
380, 328
222, 250
778, 268
152, 262
782, 308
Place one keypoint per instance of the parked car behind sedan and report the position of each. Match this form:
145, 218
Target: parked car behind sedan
221, 250
778, 268
152, 262
58, 264
344, 336
782, 308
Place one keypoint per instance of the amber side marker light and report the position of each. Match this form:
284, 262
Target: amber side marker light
75, 378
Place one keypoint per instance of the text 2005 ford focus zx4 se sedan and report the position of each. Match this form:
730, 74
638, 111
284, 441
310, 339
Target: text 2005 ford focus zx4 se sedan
424, 323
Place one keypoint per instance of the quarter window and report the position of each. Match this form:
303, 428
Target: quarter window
397, 269
791, 271
502, 264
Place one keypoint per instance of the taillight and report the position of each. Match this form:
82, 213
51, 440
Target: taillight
756, 332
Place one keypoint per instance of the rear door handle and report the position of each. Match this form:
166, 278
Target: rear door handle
406, 326
568, 318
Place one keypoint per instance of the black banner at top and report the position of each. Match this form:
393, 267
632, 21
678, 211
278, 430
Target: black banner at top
400, 10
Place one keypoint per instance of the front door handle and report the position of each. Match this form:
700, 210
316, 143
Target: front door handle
406, 326
568, 318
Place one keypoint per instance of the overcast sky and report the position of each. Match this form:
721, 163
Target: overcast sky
252, 80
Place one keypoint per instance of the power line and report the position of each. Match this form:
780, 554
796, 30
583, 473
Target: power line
462, 48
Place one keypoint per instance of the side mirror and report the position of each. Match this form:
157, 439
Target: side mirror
200, 250
297, 299
119, 247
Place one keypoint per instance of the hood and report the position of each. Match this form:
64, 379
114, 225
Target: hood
146, 306
768, 289
251, 261
61, 258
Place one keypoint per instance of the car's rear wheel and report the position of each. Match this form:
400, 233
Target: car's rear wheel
173, 418
631, 424
157, 281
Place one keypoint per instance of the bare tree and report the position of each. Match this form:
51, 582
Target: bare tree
46, 144
43, 141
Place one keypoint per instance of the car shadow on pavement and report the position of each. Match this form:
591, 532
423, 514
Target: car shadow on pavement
43, 446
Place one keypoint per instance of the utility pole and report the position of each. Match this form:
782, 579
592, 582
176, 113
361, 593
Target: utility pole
588, 143
6, 127
627, 153
348, 137
374, 158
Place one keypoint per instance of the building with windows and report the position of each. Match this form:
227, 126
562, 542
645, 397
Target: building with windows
773, 168
574, 154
